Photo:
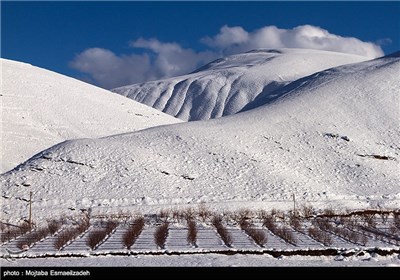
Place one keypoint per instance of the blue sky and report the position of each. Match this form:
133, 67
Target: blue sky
116, 43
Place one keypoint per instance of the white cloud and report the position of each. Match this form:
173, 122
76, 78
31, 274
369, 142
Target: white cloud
235, 39
228, 36
109, 70
161, 60
171, 59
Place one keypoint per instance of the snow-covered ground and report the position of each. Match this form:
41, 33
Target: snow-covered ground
40, 108
330, 140
210, 260
234, 83
210, 250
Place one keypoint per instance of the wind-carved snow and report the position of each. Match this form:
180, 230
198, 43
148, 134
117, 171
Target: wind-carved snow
41, 108
311, 142
229, 85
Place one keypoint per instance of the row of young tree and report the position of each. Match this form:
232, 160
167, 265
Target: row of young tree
356, 227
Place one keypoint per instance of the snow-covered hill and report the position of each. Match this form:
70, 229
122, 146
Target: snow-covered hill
227, 85
41, 108
331, 139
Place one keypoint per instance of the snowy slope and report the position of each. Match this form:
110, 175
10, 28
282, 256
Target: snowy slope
41, 108
331, 139
227, 85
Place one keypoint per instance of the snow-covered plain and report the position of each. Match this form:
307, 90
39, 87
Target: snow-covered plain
41, 108
210, 249
208, 260
331, 140
234, 83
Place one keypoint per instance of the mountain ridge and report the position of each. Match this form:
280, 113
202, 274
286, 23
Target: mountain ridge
227, 85
41, 108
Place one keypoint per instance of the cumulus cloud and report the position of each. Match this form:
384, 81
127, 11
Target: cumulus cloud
171, 59
159, 60
109, 70
227, 37
235, 39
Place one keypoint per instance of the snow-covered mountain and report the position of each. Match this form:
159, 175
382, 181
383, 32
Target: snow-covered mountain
331, 139
227, 85
41, 108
